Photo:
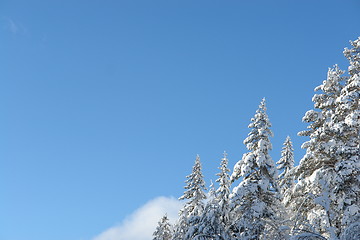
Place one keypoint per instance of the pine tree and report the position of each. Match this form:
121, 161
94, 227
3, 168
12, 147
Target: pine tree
195, 192
209, 224
327, 194
181, 226
256, 199
213, 223
312, 199
194, 207
163, 230
348, 132
286, 164
223, 192
321, 146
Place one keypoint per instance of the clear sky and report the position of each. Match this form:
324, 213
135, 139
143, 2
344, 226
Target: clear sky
105, 103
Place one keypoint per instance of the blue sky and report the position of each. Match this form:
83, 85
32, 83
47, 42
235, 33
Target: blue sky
105, 104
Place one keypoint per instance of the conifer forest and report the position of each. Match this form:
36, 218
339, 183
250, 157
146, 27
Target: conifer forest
262, 198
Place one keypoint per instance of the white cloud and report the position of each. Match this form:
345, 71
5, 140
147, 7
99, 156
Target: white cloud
141, 224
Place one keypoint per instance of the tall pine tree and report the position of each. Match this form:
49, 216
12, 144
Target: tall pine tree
223, 192
194, 207
313, 200
286, 164
214, 222
195, 190
348, 132
256, 200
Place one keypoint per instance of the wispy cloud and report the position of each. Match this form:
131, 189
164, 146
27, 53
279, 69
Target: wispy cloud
141, 224
13, 26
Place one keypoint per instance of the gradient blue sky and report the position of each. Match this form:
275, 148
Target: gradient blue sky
104, 104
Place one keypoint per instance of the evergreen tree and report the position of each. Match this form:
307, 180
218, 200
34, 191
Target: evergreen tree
321, 146
256, 199
313, 201
214, 222
327, 193
223, 192
163, 230
209, 224
181, 226
195, 190
286, 164
348, 132
194, 207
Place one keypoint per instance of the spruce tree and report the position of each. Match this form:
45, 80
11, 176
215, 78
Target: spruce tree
313, 201
163, 230
286, 164
214, 222
321, 146
209, 225
223, 192
348, 132
327, 193
181, 226
194, 207
195, 190
256, 200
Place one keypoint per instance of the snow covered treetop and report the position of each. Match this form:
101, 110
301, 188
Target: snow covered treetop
260, 133
353, 55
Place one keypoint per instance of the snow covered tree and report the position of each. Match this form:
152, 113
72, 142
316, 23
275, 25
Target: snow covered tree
195, 196
195, 190
163, 230
223, 192
320, 195
321, 146
286, 164
209, 225
181, 226
313, 206
255, 201
327, 194
313, 200
348, 132
213, 223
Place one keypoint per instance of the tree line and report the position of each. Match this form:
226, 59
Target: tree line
317, 200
